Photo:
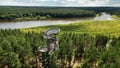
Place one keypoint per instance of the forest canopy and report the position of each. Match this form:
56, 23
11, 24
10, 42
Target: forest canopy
11, 13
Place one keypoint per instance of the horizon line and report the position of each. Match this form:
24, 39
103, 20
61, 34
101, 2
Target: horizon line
55, 6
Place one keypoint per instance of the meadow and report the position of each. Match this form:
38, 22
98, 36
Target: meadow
108, 28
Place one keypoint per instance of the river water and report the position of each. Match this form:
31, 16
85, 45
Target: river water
28, 24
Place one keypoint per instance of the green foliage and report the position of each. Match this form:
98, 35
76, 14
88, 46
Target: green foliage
107, 28
36, 13
10, 59
6, 45
13, 13
18, 49
74, 41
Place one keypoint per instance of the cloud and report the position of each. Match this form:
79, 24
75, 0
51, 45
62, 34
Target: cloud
61, 2
86, 2
14, 3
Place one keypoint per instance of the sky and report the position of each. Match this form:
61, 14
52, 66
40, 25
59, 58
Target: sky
68, 3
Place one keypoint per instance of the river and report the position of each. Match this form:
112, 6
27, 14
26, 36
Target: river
28, 24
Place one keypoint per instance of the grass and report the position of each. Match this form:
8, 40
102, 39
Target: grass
116, 17
88, 27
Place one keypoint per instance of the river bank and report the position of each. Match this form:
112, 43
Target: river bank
35, 19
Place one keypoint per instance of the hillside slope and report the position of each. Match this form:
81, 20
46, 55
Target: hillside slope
89, 27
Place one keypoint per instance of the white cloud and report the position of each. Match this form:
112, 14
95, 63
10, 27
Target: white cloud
13, 2
84, 2
60, 2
